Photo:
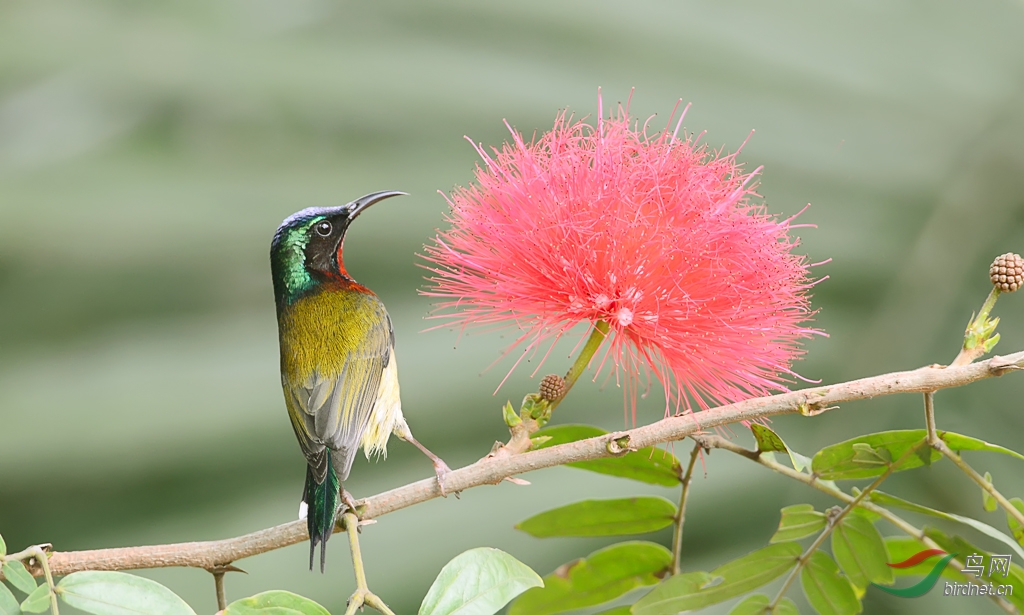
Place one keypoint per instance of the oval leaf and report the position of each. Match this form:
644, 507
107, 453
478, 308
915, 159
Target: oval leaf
3, 547
869, 456
756, 604
680, 593
860, 551
478, 582
769, 442
16, 575
8, 604
751, 605
603, 576
648, 465
866, 456
38, 601
960, 442
827, 591
1015, 527
119, 593
799, 521
637, 515
275, 603
988, 502
785, 607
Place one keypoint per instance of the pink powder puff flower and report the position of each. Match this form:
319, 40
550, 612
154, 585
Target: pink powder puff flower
654, 235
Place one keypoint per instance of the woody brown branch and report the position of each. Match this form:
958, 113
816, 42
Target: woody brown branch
490, 471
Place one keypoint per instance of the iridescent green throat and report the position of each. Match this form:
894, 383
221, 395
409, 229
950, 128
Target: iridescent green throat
288, 262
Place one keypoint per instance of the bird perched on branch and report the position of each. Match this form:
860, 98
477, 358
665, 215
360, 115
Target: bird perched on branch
338, 365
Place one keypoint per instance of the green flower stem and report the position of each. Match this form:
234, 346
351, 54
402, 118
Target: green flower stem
812, 481
677, 537
975, 336
834, 521
362, 595
943, 448
525, 425
990, 301
597, 337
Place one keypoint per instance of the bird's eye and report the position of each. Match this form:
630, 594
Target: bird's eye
323, 228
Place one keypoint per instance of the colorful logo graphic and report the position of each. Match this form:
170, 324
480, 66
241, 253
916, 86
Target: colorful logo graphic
926, 584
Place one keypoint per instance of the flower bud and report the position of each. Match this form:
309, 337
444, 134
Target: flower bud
552, 387
1007, 272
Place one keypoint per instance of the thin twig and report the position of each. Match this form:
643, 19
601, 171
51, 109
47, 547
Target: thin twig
211, 554
218, 585
813, 481
677, 538
833, 522
929, 417
1012, 510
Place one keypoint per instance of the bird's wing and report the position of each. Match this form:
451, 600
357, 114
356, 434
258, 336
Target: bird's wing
333, 410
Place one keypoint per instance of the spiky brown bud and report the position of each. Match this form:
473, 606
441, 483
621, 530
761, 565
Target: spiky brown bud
1007, 272
552, 387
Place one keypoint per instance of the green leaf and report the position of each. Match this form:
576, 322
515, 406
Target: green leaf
275, 602
1015, 527
860, 551
756, 604
988, 502
680, 593
799, 521
959, 442
603, 576
15, 573
885, 499
854, 459
660, 599
8, 604
619, 610
649, 465
827, 591
119, 593
38, 601
767, 440
785, 607
637, 515
478, 582
751, 605
3, 547
770, 442
868, 456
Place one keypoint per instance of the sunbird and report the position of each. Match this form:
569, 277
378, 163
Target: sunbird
338, 368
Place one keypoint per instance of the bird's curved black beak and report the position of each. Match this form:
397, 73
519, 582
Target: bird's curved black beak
357, 206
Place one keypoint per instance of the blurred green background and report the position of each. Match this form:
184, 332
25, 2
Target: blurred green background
149, 150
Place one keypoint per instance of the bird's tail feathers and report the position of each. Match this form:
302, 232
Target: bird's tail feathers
322, 501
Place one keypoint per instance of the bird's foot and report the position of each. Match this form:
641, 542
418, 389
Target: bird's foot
348, 502
441, 470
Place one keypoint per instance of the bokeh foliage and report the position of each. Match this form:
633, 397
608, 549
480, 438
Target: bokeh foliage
148, 151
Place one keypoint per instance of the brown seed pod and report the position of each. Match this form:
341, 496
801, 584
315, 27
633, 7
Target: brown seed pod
552, 387
1007, 272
